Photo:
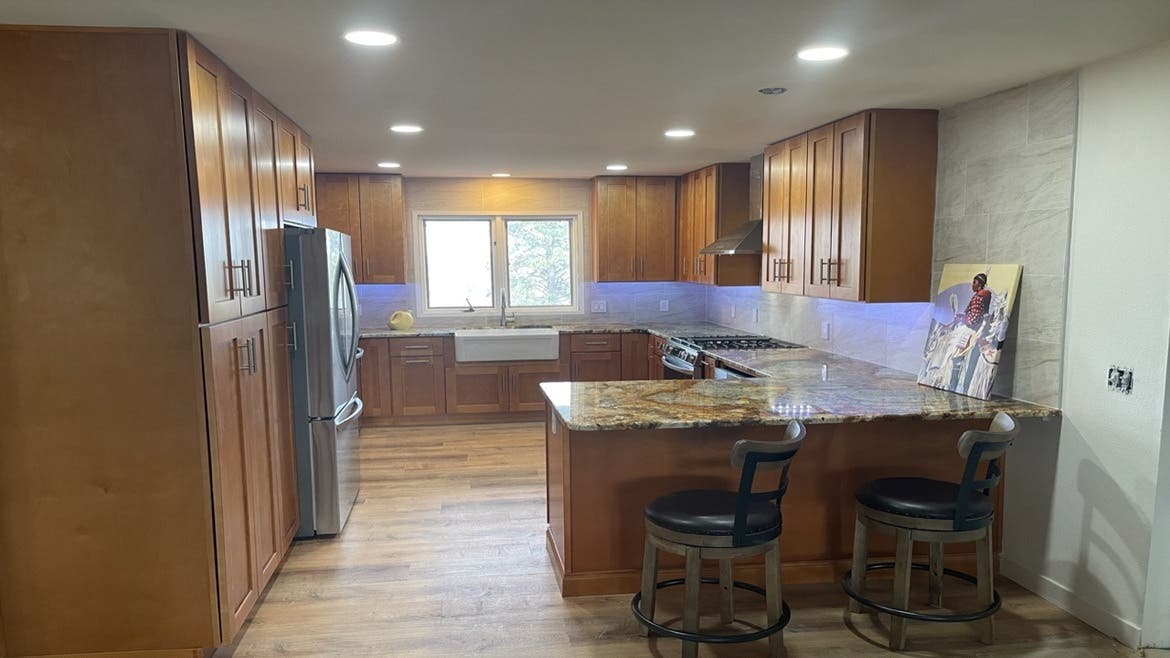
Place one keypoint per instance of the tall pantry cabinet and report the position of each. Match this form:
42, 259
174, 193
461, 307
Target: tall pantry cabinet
146, 467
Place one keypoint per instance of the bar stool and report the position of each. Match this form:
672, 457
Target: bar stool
937, 512
721, 525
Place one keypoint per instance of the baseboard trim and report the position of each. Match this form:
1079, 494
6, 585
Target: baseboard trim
1123, 630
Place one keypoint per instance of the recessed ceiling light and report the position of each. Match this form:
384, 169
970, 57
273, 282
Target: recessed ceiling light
822, 53
371, 38
773, 91
389, 165
501, 174
679, 133
406, 128
616, 167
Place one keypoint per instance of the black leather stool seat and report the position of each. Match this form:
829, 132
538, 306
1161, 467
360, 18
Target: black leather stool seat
712, 512
921, 498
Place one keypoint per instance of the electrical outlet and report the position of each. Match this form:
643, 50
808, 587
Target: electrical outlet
1120, 379
826, 331
597, 306
664, 305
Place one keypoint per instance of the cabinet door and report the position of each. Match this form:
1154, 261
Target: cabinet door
338, 208
524, 382
267, 201
635, 350
703, 214
292, 203
246, 241
849, 170
686, 231
417, 387
820, 212
775, 199
383, 228
228, 350
374, 383
280, 428
784, 216
655, 228
220, 288
596, 367
614, 233
264, 462
304, 175
477, 389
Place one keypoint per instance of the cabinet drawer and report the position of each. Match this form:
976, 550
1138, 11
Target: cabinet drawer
595, 343
416, 346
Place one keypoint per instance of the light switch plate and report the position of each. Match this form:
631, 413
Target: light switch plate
597, 306
826, 331
664, 305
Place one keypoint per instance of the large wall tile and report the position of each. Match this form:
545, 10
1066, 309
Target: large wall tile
1052, 107
960, 239
1032, 177
1037, 239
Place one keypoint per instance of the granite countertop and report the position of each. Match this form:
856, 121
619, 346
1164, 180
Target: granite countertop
658, 329
805, 384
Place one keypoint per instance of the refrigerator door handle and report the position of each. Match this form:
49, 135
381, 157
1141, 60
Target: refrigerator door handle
358, 405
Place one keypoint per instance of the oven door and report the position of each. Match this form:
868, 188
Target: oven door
676, 368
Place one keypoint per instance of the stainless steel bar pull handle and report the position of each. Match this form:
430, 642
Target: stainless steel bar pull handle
305, 190
249, 359
248, 281
231, 281
416, 361
292, 336
827, 265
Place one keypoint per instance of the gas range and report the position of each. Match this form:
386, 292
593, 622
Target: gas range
686, 349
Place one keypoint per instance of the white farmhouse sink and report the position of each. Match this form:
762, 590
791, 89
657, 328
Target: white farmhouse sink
507, 344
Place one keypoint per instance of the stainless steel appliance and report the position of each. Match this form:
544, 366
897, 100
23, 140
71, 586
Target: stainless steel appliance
322, 303
681, 354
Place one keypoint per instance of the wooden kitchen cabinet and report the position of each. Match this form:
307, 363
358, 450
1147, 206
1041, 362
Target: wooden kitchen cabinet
418, 385
280, 428
634, 224
785, 212
596, 367
686, 233
524, 382
635, 351
474, 388
868, 209
294, 151
374, 382
371, 209
716, 202
267, 201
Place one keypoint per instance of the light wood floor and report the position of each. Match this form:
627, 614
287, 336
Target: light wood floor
444, 555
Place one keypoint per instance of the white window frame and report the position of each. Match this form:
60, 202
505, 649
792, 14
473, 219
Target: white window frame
500, 259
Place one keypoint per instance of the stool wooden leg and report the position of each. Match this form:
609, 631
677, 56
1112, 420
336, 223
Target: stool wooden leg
936, 574
774, 597
860, 550
985, 585
726, 587
649, 583
691, 604
902, 570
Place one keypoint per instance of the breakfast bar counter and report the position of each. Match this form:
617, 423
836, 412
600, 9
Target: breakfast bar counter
611, 447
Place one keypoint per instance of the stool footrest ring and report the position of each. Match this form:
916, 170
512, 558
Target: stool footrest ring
847, 585
785, 617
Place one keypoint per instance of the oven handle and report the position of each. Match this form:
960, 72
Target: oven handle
671, 366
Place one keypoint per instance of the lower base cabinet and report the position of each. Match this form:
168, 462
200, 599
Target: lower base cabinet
417, 386
252, 469
374, 378
596, 367
524, 384
477, 389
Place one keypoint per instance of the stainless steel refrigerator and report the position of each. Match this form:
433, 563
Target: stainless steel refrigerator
322, 304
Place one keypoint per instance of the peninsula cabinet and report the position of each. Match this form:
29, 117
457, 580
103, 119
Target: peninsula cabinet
716, 201
371, 209
634, 224
159, 502
849, 208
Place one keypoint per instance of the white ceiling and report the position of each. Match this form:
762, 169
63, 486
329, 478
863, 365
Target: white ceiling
559, 88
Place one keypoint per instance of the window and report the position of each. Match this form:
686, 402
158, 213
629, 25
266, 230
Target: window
475, 259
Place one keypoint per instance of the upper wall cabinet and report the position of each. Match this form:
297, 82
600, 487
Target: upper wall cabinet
634, 224
298, 202
714, 201
371, 209
849, 208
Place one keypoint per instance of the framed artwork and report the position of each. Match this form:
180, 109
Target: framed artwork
972, 309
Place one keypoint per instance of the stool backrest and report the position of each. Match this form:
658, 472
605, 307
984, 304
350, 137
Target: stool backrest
753, 456
977, 446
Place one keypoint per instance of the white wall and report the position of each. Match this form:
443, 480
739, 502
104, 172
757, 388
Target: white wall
1078, 528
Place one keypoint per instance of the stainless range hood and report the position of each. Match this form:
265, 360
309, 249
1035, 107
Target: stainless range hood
748, 237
